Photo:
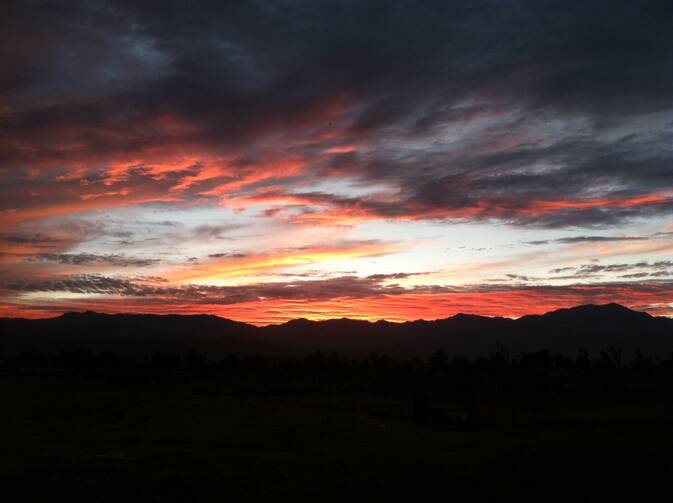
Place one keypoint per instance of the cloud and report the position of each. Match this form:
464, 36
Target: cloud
82, 284
214, 231
523, 113
345, 286
588, 239
396, 275
227, 254
316, 122
316, 289
237, 264
35, 239
594, 268
349, 295
91, 258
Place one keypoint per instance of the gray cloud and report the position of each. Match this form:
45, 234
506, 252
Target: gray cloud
214, 231
588, 239
227, 255
83, 284
595, 268
572, 87
352, 287
92, 258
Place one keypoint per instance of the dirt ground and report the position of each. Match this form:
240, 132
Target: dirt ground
292, 438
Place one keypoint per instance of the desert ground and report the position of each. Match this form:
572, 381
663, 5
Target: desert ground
316, 436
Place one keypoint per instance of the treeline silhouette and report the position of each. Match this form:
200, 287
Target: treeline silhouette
542, 415
440, 363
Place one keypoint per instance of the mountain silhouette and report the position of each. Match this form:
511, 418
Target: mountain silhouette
132, 334
590, 327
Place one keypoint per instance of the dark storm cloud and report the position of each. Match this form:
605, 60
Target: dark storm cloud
94, 83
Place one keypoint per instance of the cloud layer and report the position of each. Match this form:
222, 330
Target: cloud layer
263, 127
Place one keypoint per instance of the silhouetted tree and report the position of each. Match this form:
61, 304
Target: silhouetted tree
194, 360
582, 361
641, 363
440, 361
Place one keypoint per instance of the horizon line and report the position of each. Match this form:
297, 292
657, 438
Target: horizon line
371, 321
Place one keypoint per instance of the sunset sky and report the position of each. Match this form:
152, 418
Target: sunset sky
268, 160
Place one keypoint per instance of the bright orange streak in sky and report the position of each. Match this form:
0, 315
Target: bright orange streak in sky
242, 266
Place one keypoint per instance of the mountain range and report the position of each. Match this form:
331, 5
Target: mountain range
590, 327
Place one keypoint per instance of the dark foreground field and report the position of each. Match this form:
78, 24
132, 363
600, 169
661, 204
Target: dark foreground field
302, 435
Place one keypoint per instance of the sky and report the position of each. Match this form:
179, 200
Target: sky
269, 160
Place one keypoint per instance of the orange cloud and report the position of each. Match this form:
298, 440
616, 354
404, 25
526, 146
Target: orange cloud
542, 207
240, 265
90, 203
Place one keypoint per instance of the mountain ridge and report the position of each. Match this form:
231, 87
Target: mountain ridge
580, 307
590, 326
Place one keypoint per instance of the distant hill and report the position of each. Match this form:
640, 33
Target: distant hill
132, 334
591, 327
